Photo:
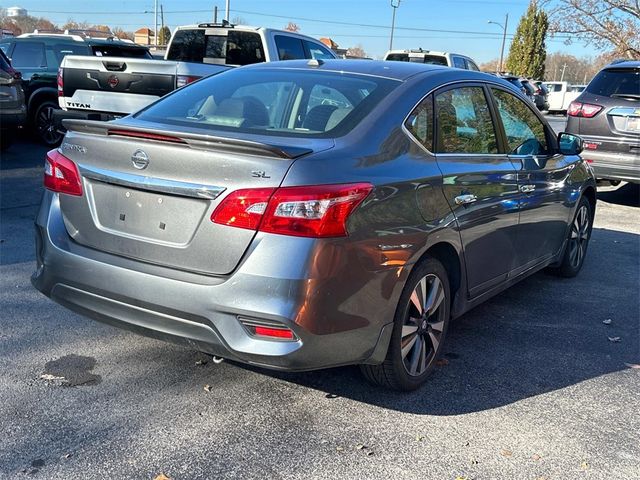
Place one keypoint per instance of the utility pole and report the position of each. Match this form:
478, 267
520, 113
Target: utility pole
564, 67
155, 19
215, 14
226, 11
394, 5
504, 39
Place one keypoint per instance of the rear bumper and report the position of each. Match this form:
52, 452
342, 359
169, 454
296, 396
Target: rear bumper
614, 166
60, 115
11, 118
334, 325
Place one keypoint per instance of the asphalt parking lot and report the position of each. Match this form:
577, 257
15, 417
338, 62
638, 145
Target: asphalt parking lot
542, 381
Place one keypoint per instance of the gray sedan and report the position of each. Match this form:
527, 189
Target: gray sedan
302, 215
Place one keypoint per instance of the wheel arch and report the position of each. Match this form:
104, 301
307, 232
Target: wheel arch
39, 96
447, 254
590, 194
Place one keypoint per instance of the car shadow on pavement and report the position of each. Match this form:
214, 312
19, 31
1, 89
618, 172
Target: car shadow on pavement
543, 334
627, 194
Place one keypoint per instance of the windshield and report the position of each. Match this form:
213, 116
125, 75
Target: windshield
616, 81
273, 102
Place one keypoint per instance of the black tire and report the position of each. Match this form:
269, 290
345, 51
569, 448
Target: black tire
577, 241
43, 125
395, 372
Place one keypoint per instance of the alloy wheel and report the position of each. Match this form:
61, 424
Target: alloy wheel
423, 327
579, 237
45, 125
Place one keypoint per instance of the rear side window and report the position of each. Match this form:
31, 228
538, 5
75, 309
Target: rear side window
273, 102
187, 46
61, 51
289, 48
235, 48
119, 51
464, 122
420, 123
616, 82
459, 62
29, 54
524, 130
436, 60
398, 57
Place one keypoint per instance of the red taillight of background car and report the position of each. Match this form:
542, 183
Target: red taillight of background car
61, 174
60, 82
579, 109
182, 80
311, 211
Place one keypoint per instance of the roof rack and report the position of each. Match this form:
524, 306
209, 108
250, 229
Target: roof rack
89, 33
48, 33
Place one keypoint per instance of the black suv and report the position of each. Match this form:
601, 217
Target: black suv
38, 56
607, 116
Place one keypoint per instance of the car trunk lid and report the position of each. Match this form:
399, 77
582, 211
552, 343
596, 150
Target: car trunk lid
149, 192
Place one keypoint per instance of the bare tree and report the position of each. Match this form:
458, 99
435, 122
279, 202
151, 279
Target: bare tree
357, 51
604, 24
292, 27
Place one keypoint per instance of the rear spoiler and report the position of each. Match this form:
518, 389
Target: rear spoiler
189, 139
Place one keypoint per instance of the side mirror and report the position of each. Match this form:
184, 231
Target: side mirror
569, 143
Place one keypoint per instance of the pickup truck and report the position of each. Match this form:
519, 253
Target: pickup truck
561, 94
107, 88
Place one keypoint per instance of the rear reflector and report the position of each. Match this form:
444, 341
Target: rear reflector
60, 82
182, 80
284, 333
146, 136
61, 174
312, 211
578, 109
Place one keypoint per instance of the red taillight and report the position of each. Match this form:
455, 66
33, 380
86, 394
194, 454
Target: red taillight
61, 174
273, 332
182, 80
60, 82
243, 208
579, 109
145, 135
311, 211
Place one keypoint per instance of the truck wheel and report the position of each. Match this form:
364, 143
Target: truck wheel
419, 330
43, 123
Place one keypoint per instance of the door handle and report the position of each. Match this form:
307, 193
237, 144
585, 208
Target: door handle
527, 188
465, 199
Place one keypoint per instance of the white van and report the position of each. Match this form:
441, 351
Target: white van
446, 59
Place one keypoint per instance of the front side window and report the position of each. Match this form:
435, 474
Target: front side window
458, 62
398, 57
318, 51
29, 54
273, 102
472, 66
420, 123
289, 48
525, 132
464, 122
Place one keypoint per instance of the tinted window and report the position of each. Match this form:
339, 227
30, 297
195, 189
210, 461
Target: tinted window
420, 123
472, 66
289, 48
318, 51
4, 63
187, 46
464, 122
273, 102
459, 62
616, 81
525, 132
398, 57
118, 51
61, 50
5, 47
28, 54
236, 48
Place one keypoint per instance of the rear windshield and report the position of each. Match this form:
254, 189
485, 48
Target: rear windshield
227, 47
616, 82
273, 102
120, 51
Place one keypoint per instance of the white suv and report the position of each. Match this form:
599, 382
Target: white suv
435, 58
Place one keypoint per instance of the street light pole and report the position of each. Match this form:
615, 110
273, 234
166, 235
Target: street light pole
155, 19
504, 38
394, 5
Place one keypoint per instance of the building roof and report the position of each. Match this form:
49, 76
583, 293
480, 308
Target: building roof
144, 31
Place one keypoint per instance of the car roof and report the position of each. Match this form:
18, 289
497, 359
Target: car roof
379, 68
68, 38
624, 64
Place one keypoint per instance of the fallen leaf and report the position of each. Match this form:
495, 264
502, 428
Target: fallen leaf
162, 476
420, 438
66, 455
331, 395
506, 453
361, 447
584, 466
614, 339
441, 362
536, 456
632, 365
607, 321
369, 453
207, 388
340, 449
461, 478
466, 444
48, 376
201, 362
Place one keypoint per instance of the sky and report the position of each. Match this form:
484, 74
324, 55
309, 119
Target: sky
458, 26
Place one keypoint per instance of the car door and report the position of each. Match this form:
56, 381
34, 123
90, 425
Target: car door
542, 176
479, 182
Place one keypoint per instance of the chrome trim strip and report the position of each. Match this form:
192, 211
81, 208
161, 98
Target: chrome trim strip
141, 182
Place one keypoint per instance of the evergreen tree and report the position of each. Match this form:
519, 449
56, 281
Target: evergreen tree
165, 35
528, 50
